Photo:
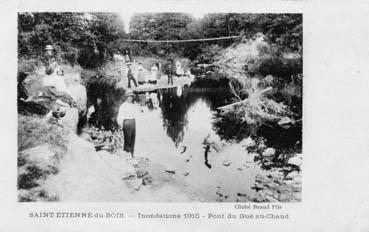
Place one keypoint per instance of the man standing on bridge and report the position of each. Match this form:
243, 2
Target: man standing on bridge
130, 76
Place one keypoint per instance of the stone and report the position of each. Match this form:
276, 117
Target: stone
288, 182
141, 173
186, 173
292, 175
147, 180
296, 160
226, 163
269, 152
134, 184
248, 142
171, 171
285, 120
270, 198
297, 196
296, 187
70, 119
259, 178
297, 179
268, 192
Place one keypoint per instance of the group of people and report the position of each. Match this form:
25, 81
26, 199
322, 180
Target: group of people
55, 87
141, 77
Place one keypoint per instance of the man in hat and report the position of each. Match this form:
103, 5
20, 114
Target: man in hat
130, 76
126, 119
48, 57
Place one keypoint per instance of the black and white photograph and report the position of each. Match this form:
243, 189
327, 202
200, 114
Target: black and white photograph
159, 107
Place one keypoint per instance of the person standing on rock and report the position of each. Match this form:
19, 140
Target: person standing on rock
126, 119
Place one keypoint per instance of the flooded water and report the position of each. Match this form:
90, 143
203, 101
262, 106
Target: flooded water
180, 128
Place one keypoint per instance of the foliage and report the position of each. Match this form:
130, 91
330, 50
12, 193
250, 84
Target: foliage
77, 37
34, 130
111, 141
91, 38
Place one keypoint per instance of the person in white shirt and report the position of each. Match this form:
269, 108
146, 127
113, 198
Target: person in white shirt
126, 120
153, 75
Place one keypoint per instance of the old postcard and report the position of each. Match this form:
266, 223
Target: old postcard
148, 115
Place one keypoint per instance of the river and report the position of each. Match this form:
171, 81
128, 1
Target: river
172, 128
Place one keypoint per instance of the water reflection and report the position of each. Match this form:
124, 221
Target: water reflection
174, 113
176, 103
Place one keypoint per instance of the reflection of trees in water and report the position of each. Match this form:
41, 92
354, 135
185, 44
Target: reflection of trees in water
174, 112
174, 108
228, 127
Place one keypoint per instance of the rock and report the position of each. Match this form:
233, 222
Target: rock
275, 174
288, 182
272, 185
147, 180
285, 197
259, 178
268, 192
226, 163
240, 168
134, 184
297, 179
186, 173
141, 173
269, 152
278, 181
257, 187
297, 196
171, 171
248, 142
296, 160
296, 187
285, 120
270, 198
70, 119
85, 136
292, 175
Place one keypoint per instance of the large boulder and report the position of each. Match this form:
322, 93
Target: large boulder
70, 119
296, 160
78, 92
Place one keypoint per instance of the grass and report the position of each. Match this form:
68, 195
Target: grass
34, 131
